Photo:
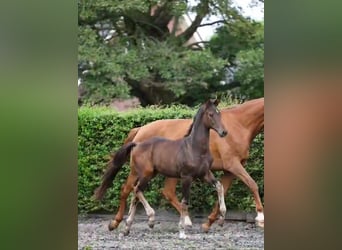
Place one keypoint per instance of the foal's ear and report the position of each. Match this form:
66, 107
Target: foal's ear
215, 101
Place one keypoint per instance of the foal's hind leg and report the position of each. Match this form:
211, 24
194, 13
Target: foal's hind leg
149, 210
141, 186
131, 214
125, 191
209, 177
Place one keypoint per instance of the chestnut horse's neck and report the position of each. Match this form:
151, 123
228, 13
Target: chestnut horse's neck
198, 137
250, 115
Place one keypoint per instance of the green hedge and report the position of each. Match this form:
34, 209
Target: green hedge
102, 130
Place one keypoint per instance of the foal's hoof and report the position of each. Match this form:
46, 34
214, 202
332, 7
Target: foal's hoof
151, 224
182, 235
126, 232
113, 225
205, 227
220, 222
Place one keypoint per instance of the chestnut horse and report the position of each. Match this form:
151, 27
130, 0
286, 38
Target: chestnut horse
243, 122
186, 158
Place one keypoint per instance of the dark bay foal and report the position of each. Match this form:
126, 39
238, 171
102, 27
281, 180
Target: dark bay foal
187, 159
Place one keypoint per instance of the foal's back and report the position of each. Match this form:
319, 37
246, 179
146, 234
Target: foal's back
158, 154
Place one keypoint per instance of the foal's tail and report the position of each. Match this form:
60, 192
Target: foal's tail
114, 165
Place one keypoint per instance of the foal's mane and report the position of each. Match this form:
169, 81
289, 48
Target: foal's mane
197, 116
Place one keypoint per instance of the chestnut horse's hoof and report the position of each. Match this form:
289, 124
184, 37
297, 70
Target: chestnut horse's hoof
259, 220
205, 227
113, 224
259, 223
187, 221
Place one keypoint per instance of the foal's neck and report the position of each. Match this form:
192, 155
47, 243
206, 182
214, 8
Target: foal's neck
199, 137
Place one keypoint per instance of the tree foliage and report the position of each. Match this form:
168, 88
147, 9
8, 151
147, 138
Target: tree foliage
129, 48
242, 44
250, 72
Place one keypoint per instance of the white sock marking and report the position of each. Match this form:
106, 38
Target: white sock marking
182, 234
260, 216
187, 221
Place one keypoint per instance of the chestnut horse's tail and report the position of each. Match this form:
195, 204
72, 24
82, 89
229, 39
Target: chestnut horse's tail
132, 133
115, 164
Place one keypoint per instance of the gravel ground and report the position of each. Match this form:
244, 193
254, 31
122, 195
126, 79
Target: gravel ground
93, 234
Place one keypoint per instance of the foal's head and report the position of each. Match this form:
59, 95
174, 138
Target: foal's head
212, 117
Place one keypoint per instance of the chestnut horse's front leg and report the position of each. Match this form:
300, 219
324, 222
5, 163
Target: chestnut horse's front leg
169, 193
240, 172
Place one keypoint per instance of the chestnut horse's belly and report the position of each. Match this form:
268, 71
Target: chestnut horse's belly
217, 164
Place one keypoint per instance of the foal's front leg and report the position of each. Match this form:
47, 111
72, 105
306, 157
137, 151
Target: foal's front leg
186, 184
210, 178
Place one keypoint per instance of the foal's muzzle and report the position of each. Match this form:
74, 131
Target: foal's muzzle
223, 133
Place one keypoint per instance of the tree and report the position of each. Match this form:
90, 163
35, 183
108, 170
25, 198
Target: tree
250, 67
241, 43
250, 73
130, 48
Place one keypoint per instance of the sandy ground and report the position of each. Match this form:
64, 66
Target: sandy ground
93, 234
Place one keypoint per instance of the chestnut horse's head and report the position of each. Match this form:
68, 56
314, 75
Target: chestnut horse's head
212, 117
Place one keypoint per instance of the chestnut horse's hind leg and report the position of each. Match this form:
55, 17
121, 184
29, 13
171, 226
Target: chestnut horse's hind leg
125, 191
169, 193
131, 214
226, 181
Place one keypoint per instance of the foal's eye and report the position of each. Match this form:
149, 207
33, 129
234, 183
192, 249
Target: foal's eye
211, 114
